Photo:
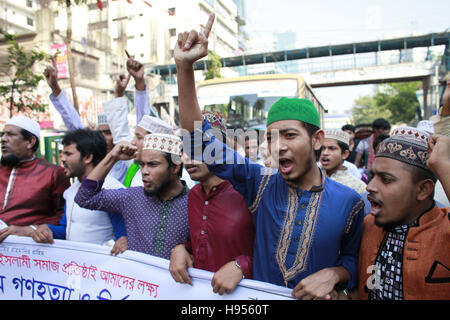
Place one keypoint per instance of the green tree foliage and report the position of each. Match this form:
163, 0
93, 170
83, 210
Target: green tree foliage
366, 110
396, 102
400, 99
214, 66
20, 91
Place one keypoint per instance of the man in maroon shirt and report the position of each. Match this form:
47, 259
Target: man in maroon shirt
31, 189
221, 229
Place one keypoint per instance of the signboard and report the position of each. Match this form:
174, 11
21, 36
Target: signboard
61, 59
68, 270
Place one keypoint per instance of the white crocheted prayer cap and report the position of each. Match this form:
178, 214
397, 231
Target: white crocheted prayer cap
25, 123
155, 125
337, 135
169, 143
426, 125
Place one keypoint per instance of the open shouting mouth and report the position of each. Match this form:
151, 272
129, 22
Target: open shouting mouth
325, 161
286, 165
375, 205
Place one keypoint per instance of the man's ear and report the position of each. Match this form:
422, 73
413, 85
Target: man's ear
88, 159
32, 142
345, 154
317, 139
176, 169
425, 188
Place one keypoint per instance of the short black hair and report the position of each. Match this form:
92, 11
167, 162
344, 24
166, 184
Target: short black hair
348, 127
27, 135
87, 142
419, 174
378, 139
344, 147
381, 123
310, 128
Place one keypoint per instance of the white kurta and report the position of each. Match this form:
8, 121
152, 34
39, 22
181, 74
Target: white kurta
86, 225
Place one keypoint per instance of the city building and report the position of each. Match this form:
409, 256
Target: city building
17, 17
146, 29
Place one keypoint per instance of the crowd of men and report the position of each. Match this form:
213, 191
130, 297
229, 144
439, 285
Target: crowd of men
321, 213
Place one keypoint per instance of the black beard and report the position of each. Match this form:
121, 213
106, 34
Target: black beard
10, 160
166, 184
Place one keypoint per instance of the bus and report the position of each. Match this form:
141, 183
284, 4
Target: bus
246, 100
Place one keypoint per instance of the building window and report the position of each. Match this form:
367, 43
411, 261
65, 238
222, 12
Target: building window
30, 21
29, 3
171, 11
173, 32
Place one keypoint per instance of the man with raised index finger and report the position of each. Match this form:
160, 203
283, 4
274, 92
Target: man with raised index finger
308, 227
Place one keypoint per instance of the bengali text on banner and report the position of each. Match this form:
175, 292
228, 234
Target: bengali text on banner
68, 270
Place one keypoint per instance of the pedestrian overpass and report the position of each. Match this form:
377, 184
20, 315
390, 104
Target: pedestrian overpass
409, 71
429, 40
373, 62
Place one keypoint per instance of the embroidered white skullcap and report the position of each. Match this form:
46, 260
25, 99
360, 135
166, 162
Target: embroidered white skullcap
169, 143
25, 123
155, 125
102, 119
426, 125
337, 135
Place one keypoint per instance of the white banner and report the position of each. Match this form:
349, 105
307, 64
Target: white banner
68, 270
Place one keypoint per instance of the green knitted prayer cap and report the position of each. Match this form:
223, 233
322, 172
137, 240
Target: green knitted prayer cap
293, 109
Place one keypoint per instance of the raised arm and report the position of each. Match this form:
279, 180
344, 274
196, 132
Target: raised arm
439, 160
201, 144
141, 98
117, 111
441, 121
190, 47
121, 151
439, 144
68, 113
92, 196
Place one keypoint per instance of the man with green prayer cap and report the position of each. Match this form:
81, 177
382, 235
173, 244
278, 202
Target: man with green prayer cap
308, 227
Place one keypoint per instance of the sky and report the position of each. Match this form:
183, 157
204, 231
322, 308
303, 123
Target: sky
324, 22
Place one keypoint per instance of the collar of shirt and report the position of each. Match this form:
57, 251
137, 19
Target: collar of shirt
340, 172
405, 227
318, 188
182, 193
214, 190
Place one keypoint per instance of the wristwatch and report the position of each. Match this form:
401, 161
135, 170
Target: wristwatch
345, 291
239, 266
